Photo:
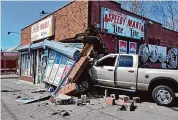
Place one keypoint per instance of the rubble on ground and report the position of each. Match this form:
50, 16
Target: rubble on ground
61, 112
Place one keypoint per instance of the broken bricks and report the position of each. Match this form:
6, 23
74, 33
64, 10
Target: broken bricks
61, 112
61, 99
83, 99
125, 106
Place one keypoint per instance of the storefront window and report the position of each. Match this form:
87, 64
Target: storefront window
25, 71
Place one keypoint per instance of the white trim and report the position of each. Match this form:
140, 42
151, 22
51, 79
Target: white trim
104, 80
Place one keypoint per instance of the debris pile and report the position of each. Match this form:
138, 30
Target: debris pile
124, 103
61, 112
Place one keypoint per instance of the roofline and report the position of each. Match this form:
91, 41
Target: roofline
132, 12
49, 14
139, 16
147, 19
169, 29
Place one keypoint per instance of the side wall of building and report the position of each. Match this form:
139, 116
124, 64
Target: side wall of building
69, 21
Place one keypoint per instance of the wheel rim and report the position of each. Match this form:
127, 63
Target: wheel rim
163, 96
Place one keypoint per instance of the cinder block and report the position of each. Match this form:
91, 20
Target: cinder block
124, 98
136, 99
113, 96
79, 102
84, 98
110, 101
125, 106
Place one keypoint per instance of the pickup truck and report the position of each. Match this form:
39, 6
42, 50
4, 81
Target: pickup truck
123, 72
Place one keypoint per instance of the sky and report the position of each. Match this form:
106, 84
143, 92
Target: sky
15, 15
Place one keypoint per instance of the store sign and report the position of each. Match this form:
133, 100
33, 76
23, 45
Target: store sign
121, 24
122, 46
132, 48
42, 29
10, 54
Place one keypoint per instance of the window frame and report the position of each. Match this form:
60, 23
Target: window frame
116, 57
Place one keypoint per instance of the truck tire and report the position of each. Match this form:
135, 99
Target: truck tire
163, 95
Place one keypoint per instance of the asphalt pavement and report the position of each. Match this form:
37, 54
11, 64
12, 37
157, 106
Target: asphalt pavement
12, 88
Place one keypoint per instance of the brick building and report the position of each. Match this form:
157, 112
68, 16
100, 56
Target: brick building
9, 61
119, 29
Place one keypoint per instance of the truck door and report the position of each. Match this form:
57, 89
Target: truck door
103, 71
126, 72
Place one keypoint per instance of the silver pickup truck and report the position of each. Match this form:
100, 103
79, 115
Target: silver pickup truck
123, 72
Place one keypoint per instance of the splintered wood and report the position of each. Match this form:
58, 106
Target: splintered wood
71, 88
81, 64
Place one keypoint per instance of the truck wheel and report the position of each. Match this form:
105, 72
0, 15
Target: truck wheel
163, 95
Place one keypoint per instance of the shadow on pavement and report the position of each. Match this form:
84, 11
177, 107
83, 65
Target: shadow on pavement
9, 76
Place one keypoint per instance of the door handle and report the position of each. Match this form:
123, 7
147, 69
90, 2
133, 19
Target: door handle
110, 70
131, 71
147, 76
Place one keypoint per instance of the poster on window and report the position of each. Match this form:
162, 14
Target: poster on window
55, 68
60, 70
123, 46
66, 70
153, 53
143, 52
132, 48
162, 54
172, 58
166, 57
49, 66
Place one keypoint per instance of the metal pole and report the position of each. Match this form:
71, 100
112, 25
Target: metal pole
37, 64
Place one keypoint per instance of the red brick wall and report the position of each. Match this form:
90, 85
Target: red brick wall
69, 21
169, 38
74, 21
96, 6
25, 36
110, 42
